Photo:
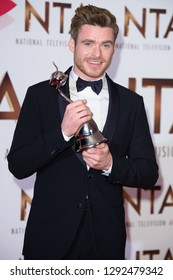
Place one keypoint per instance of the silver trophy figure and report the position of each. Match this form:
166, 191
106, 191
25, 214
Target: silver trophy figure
89, 136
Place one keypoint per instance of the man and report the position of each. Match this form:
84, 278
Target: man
77, 210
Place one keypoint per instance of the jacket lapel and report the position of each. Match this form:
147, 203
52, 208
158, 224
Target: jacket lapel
62, 106
113, 111
61, 101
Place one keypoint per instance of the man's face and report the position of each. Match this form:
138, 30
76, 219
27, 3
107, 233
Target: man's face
93, 51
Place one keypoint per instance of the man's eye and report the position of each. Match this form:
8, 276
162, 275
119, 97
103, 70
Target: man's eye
106, 46
87, 43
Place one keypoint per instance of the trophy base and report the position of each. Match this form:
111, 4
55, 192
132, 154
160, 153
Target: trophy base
89, 141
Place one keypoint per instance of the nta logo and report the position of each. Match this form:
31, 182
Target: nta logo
5, 7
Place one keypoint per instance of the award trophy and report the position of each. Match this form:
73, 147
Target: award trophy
89, 136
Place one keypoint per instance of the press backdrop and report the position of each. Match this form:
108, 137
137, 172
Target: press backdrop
34, 33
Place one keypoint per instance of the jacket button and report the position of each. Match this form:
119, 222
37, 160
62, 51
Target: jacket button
90, 176
53, 152
79, 205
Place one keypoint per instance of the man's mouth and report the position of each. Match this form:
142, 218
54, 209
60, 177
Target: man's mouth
94, 62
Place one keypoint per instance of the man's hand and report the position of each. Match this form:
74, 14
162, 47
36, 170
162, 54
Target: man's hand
99, 157
76, 114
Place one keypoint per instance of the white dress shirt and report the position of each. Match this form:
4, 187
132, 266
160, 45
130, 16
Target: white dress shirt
98, 104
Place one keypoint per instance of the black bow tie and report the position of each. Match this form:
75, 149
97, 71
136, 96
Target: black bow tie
95, 85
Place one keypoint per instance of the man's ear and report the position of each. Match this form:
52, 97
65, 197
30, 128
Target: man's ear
71, 44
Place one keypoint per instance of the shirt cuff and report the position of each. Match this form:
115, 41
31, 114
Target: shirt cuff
107, 172
66, 138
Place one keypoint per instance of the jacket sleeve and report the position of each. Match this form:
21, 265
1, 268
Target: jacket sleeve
33, 147
138, 166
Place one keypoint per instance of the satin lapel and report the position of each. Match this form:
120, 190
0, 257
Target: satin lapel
113, 111
62, 106
61, 101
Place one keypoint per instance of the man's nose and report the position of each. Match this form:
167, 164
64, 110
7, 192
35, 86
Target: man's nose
97, 51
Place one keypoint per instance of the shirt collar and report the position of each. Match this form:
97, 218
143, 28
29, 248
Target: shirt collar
74, 77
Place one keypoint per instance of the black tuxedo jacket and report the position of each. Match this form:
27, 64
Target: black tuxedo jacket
63, 180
